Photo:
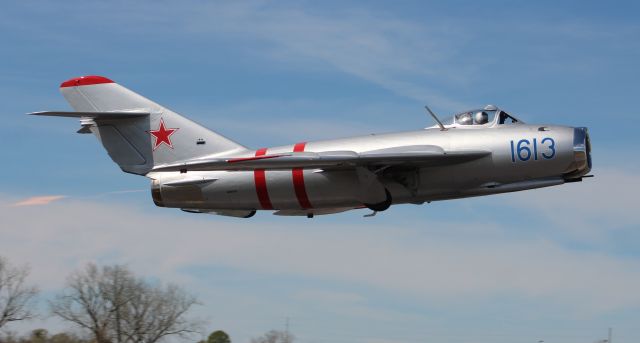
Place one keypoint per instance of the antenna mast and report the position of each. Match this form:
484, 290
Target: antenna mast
442, 128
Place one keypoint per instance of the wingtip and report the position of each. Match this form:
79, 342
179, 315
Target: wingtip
85, 81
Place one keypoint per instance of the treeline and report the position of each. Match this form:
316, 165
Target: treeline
108, 304
43, 336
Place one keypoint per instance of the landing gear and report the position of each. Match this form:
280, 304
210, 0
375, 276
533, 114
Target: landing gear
381, 206
372, 214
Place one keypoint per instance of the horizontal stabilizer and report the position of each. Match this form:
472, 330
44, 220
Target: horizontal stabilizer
137, 132
93, 115
417, 155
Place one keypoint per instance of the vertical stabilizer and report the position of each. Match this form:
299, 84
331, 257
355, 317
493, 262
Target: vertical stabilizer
137, 144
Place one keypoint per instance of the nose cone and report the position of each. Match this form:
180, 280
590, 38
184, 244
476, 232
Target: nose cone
581, 154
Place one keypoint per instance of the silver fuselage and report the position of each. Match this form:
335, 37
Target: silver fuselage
521, 157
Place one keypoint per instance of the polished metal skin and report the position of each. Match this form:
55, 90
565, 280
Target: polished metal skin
479, 152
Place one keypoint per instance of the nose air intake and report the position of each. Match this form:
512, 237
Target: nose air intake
581, 154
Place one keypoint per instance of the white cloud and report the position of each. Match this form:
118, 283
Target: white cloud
592, 209
442, 268
399, 55
329, 297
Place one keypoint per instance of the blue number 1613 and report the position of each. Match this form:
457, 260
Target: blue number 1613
525, 149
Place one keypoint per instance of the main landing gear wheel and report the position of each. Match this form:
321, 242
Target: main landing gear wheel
381, 206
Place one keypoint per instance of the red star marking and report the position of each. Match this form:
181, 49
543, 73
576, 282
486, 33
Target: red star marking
162, 135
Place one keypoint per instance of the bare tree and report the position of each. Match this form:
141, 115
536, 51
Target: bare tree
17, 299
274, 336
155, 312
83, 303
116, 306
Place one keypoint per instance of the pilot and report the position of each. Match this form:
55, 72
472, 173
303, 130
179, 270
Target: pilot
481, 117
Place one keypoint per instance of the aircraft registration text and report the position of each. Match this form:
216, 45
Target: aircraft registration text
526, 149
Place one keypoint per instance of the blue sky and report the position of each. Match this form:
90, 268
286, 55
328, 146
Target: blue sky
559, 264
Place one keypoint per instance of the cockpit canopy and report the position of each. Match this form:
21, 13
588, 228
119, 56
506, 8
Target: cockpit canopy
490, 115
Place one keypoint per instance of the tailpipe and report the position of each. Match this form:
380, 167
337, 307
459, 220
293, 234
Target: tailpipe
156, 193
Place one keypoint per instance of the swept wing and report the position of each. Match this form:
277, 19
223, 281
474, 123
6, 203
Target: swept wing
412, 155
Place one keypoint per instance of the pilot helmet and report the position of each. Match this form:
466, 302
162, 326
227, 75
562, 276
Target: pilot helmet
481, 117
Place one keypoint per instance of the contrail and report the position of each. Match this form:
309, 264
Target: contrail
39, 200
126, 191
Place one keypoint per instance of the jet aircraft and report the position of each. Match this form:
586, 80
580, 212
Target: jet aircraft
478, 152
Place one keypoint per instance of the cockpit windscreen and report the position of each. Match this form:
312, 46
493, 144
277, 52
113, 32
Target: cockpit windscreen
488, 116
505, 118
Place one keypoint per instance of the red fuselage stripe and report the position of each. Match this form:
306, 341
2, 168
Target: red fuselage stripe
298, 181
260, 178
